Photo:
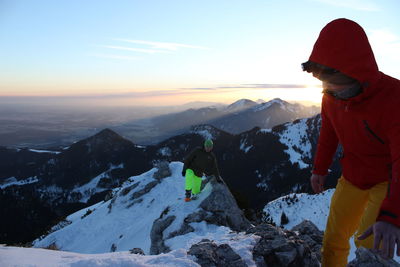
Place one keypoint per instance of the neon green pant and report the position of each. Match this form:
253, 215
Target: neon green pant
192, 182
352, 209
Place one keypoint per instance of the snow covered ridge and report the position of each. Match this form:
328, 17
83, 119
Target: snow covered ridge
299, 207
89, 189
13, 181
44, 151
206, 131
296, 139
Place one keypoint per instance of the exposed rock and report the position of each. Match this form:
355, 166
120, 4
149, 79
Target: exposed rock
222, 205
108, 196
185, 229
367, 258
156, 235
145, 190
308, 232
163, 170
138, 251
128, 189
209, 254
281, 248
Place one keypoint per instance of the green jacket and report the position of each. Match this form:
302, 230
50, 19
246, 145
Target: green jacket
201, 161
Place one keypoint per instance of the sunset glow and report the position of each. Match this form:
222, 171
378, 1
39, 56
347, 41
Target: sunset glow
145, 53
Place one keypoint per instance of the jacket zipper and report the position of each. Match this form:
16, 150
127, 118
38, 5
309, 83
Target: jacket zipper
371, 132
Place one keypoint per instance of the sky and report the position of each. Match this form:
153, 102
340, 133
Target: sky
160, 52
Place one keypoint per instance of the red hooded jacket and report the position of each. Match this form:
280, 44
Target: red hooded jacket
368, 125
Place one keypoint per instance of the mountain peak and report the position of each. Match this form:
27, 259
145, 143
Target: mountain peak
107, 133
105, 140
277, 100
240, 105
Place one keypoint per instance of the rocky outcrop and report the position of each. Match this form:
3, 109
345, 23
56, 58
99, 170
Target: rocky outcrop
209, 254
309, 233
218, 208
222, 205
279, 247
366, 258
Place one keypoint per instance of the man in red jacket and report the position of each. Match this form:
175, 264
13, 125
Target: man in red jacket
361, 111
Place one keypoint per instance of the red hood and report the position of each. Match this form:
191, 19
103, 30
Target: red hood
343, 45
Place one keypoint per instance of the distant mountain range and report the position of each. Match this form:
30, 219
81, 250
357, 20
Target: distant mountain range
240, 116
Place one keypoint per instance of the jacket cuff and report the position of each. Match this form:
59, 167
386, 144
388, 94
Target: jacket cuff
387, 215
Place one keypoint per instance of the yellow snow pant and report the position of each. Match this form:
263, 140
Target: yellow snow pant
192, 182
352, 209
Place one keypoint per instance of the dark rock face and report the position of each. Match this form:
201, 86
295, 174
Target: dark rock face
156, 235
281, 248
366, 258
309, 233
209, 254
222, 205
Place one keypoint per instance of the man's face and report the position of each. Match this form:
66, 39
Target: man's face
334, 82
208, 148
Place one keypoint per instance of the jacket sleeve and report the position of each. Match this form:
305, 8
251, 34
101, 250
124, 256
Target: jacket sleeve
189, 159
327, 144
390, 208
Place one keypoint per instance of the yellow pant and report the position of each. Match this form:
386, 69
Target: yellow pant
352, 209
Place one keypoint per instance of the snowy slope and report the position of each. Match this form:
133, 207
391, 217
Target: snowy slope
300, 207
34, 257
295, 138
125, 222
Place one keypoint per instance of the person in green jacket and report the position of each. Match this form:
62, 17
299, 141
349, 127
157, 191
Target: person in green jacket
200, 161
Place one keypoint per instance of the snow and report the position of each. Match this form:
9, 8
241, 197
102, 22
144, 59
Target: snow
13, 181
295, 138
44, 151
35, 257
314, 208
205, 133
90, 188
244, 146
165, 151
268, 104
266, 130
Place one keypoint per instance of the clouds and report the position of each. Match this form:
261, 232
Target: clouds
135, 47
253, 86
161, 46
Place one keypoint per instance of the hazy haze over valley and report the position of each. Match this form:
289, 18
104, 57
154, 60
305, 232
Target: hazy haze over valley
48, 125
